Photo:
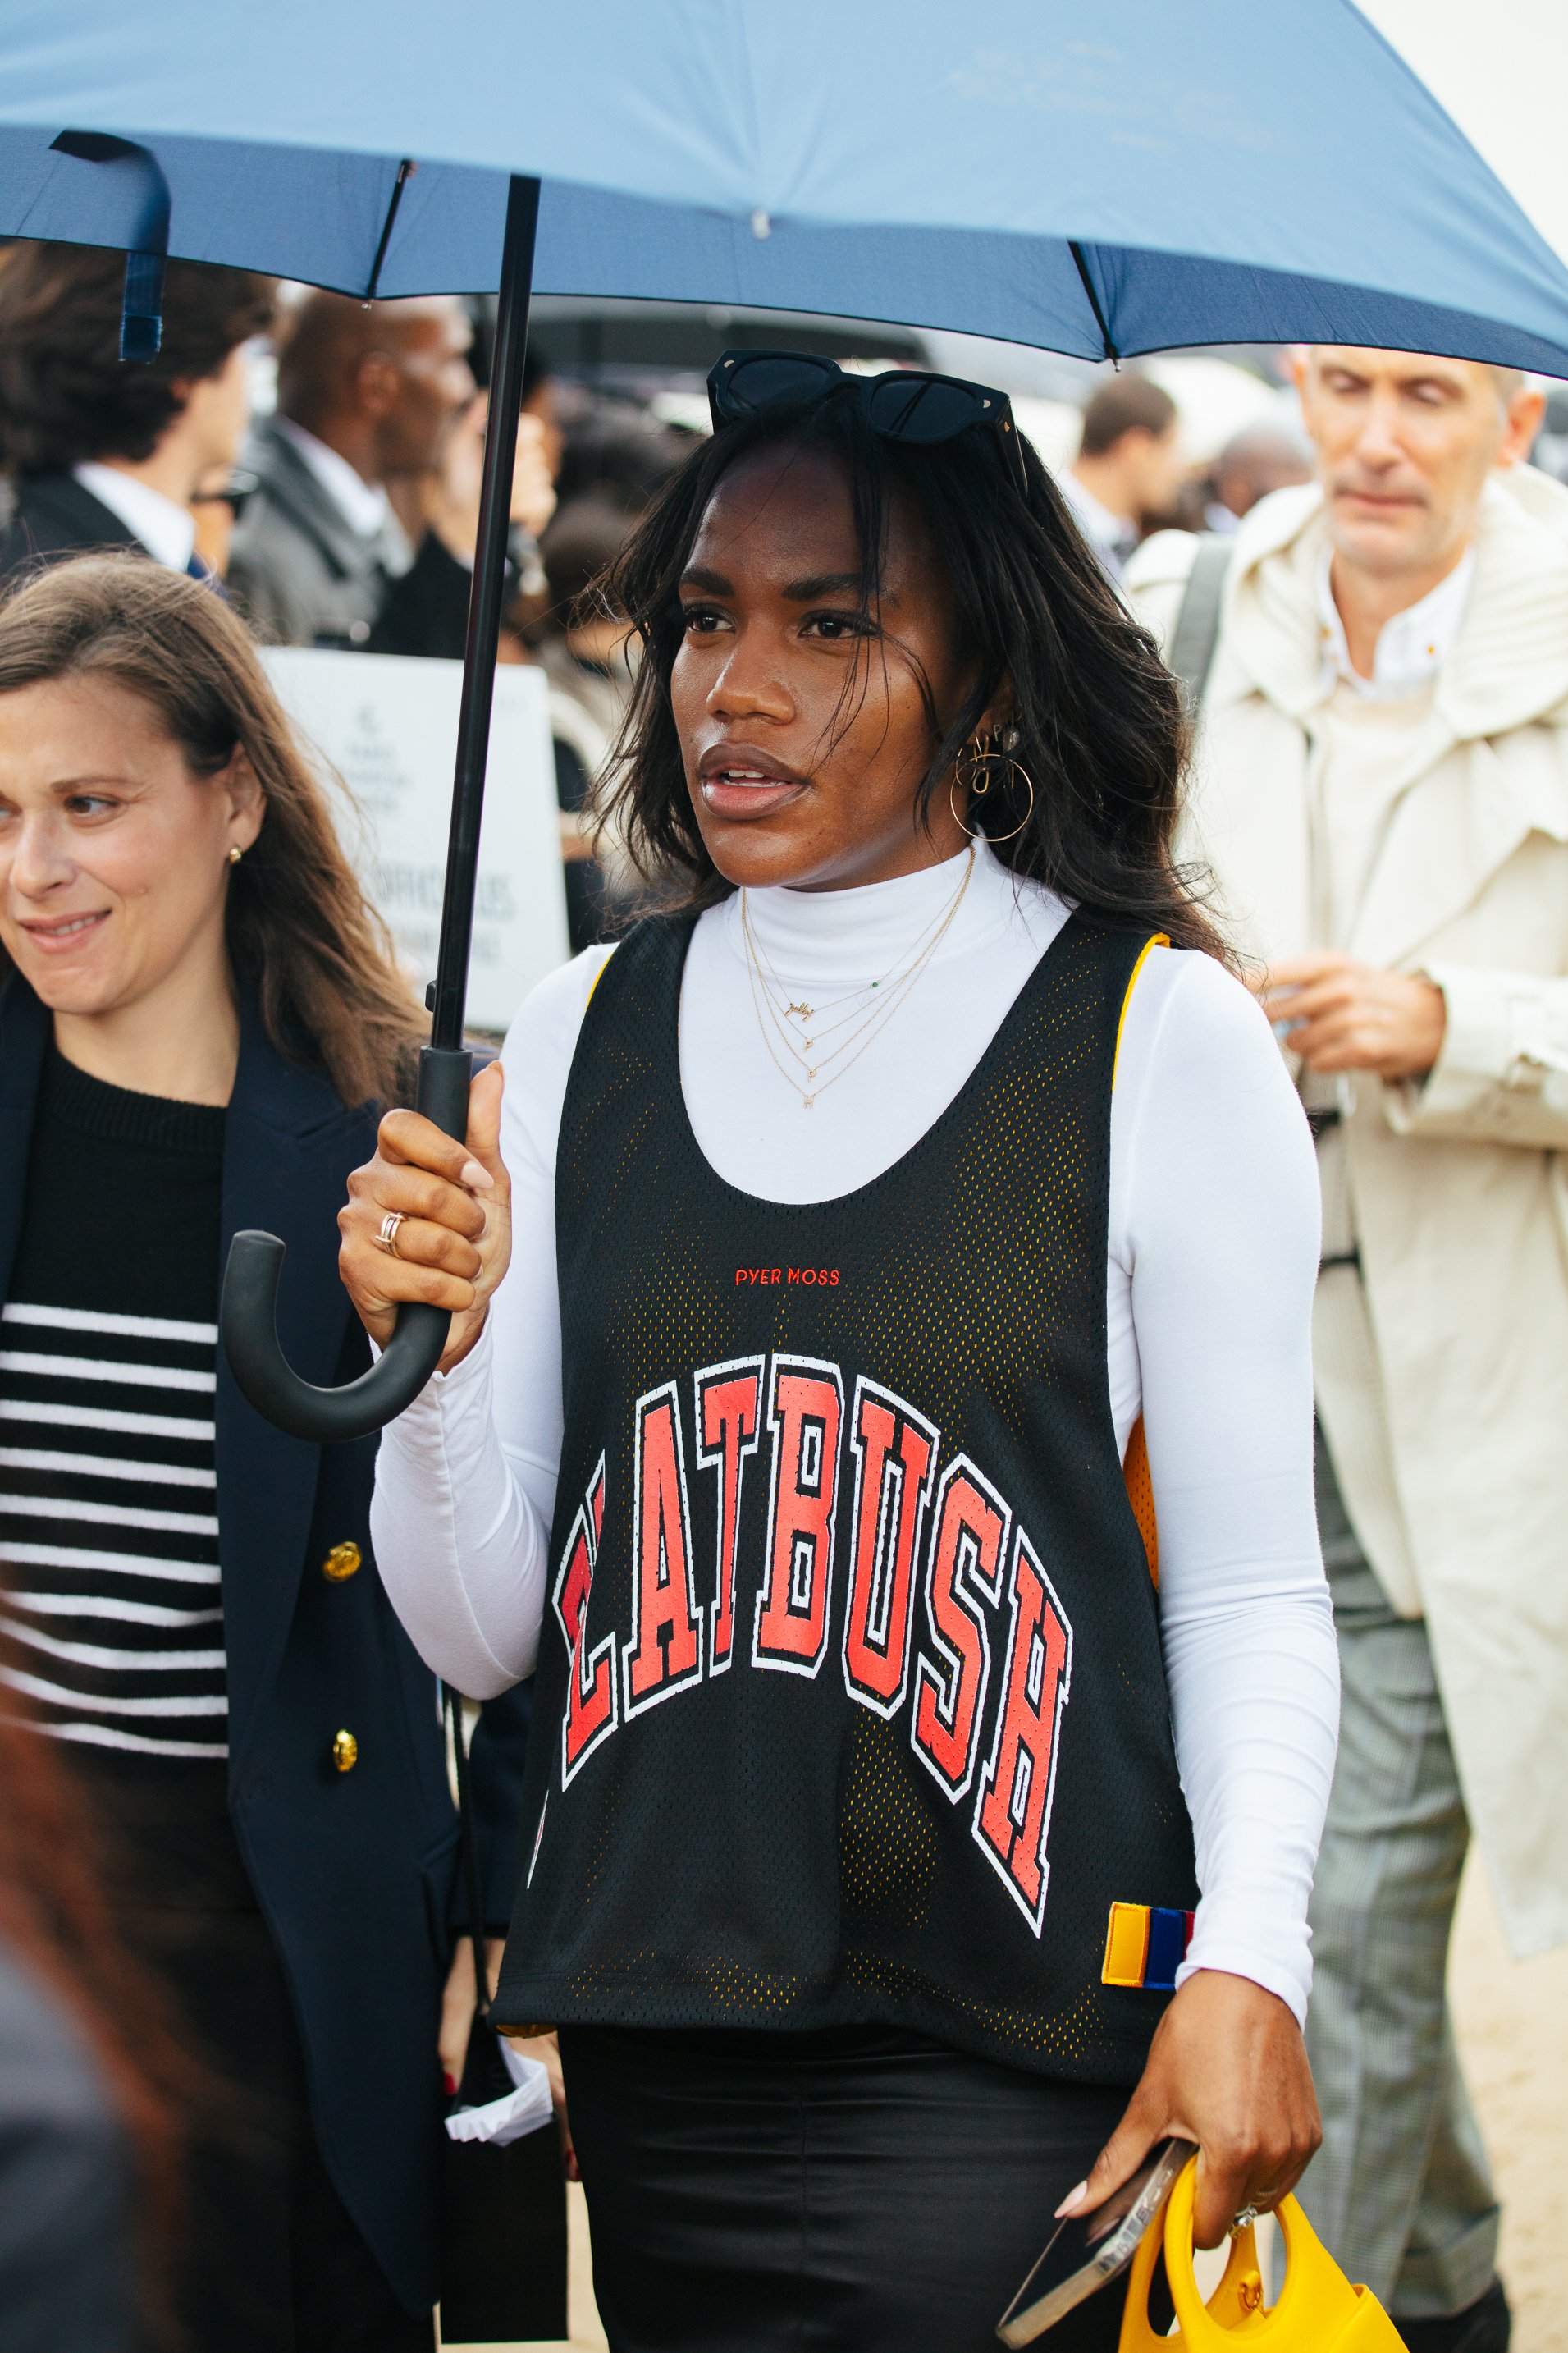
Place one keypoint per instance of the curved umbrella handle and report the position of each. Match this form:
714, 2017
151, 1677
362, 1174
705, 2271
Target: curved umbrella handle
247, 1318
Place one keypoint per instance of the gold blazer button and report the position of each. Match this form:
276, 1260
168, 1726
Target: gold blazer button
342, 1562
345, 1751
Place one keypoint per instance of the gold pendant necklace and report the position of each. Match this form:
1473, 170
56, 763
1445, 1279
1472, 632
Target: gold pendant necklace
893, 990
799, 1010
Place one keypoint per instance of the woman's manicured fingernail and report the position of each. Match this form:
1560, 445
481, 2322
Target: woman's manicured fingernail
450, 2080
1071, 2203
474, 1176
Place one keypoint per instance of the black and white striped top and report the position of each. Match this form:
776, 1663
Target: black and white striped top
110, 1594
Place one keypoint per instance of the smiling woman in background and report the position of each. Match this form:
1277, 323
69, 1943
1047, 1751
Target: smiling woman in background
200, 1019
874, 1777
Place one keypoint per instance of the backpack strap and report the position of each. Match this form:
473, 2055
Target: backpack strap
1196, 633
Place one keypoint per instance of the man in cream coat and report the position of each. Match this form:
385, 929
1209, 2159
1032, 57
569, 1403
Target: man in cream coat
1381, 786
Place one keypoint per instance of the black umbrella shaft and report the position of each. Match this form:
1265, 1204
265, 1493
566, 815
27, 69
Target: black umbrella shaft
485, 601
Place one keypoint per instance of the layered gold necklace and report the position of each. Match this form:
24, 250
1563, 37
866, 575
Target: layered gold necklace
803, 1029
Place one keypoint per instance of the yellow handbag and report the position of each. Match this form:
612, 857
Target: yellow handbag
1317, 2312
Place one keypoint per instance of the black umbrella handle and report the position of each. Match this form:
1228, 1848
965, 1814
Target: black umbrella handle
248, 1315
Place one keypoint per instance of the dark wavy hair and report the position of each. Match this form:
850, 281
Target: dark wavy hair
66, 395
1097, 715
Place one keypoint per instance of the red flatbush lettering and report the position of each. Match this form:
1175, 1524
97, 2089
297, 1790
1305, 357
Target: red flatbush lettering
591, 1696
963, 1582
895, 1459
729, 1401
806, 1410
1013, 1818
666, 1651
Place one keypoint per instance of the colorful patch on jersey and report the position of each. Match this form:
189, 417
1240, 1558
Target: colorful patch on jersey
1145, 1944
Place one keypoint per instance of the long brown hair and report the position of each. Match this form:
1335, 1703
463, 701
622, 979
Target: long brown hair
1096, 724
301, 935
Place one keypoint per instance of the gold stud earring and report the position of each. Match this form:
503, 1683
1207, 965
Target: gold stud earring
235, 853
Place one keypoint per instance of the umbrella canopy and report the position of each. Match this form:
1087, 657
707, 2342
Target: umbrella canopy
1505, 95
1183, 172
1194, 171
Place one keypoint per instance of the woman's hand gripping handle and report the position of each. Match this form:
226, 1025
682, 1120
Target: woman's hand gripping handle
430, 1218
1227, 2069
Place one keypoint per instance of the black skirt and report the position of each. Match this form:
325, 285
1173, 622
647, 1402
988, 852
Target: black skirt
846, 2193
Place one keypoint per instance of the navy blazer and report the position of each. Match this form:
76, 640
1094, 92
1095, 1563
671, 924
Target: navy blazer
356, 1872
51, 517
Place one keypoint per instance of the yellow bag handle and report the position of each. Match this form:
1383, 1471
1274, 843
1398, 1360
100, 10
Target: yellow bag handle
1317, 2312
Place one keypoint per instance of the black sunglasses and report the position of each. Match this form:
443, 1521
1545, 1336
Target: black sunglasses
903, 404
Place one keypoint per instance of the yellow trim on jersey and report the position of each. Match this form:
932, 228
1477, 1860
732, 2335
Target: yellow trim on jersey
599, 975
1140, 1487
1155, 940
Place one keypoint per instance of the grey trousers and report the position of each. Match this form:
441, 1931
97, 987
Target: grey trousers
1400, 2193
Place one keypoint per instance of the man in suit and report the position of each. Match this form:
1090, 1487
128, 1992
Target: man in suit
1381, 786
1129, 466
367, 396
99, 454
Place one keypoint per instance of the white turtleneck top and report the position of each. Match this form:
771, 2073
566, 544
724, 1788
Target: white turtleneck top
1211, 1260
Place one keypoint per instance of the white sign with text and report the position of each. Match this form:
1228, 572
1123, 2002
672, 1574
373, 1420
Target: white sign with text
387, 725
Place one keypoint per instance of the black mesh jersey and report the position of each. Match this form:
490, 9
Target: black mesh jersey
850, 1704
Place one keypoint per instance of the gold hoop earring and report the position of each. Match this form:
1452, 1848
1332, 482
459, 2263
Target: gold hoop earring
978, 780
972, 769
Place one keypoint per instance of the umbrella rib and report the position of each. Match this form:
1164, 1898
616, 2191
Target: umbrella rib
405, 172
1112, 353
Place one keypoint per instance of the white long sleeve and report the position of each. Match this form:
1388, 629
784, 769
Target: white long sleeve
1212, 1255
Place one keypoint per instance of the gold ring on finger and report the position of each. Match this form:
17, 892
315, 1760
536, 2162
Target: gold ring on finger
387, 1238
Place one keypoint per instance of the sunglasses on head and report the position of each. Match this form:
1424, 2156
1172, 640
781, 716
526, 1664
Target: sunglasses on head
902, 404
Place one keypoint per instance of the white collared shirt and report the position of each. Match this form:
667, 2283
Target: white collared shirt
1113, 537
1411, 645
166, 529
362, 504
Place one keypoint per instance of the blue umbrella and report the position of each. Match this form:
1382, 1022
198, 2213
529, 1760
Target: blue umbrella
1170, 171
1185, 172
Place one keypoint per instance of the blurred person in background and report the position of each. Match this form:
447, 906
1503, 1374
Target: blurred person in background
99, 454
426, 611
367, 393
617, 457
1259, 458
88, 2081
582, 648
1129, 467
200, 1019
611, 450
1381, 787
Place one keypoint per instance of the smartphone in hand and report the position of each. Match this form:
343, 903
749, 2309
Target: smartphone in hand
1086, 2250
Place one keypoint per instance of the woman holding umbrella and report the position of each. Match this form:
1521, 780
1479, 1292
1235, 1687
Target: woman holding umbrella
861, 1250
199, 1014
